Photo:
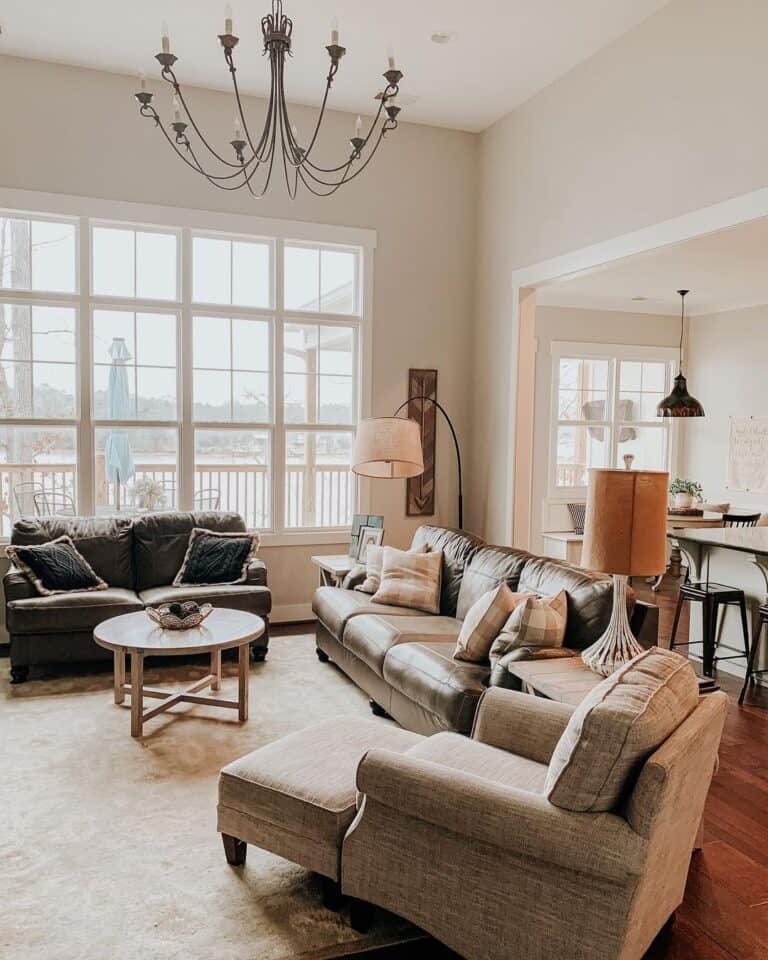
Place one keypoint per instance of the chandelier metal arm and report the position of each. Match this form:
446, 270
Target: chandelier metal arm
169, 76
345, 179
241, 113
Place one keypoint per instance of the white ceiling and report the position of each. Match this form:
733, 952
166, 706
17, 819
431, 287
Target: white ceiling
505, 51
724, 271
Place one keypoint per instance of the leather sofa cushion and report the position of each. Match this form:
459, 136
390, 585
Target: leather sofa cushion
334, 606
590, 597
105, 542
371, 637
446, 688
160, 542
70, 612
458, 547
488, 567
238, 596
481, 760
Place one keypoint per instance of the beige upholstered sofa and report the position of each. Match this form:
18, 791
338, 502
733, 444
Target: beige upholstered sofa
463, 837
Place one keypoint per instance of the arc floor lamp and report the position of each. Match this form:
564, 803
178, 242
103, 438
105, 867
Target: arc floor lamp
390, 448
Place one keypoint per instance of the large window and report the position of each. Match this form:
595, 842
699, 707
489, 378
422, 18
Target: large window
145, 367
604, 409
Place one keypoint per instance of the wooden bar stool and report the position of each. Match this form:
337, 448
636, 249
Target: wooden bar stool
752, 674
714, 598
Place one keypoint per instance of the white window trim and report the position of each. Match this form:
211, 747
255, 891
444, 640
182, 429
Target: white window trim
87, 212
603, 351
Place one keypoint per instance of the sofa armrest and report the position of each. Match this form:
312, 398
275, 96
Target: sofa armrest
520, 723
355, 577
256, 573
500, 675
523, 823
17, 586
645, 624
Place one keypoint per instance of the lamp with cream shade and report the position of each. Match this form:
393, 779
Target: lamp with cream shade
390, 447
624, 535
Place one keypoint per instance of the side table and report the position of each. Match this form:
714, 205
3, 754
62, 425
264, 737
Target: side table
333, 568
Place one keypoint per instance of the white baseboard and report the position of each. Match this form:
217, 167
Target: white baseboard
292, 613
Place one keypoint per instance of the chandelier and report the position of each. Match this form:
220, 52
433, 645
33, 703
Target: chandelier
255, 156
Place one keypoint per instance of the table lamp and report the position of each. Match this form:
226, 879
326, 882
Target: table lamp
624, 535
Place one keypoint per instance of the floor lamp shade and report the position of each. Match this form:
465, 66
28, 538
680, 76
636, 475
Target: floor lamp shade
624, 535
626, 522
388, 447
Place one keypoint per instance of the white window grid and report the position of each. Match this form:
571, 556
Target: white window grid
613, 354
85, 302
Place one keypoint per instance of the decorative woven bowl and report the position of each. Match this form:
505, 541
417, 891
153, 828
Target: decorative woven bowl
169, 621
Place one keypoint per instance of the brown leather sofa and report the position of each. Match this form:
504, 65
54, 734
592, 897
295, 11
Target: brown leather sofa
404, 659
138, 558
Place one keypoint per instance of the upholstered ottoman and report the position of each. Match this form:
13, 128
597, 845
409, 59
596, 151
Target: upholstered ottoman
296, 797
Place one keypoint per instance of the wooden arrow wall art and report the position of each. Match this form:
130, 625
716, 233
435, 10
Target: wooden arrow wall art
420, 491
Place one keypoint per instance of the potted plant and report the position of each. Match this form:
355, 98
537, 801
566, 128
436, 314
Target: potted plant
684, 493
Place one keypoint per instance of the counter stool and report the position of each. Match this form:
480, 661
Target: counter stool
714, 598
752, 674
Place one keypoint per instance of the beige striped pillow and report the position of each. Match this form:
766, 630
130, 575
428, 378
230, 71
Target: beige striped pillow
483, 621
410, 580
374, 561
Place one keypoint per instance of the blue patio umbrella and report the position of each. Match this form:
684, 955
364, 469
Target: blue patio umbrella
118, 456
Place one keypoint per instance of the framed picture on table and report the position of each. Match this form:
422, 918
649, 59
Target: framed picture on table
369, 537
360, 520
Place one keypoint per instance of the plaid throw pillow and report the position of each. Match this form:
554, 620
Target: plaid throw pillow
483, 621
374, 561
411, 580
537, 622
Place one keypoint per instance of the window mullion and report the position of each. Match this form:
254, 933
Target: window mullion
278, 447
85, 459
184, 361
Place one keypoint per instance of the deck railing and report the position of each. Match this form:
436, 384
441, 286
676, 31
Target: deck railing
242, 488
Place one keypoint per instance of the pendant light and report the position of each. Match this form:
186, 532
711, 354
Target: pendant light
680, 403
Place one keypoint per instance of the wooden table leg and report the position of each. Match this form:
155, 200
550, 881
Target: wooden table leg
119, 671
216, 669
137, 696
243, 662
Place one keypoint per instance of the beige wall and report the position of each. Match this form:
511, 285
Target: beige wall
73, 131
583, 326
663, 121
726, 372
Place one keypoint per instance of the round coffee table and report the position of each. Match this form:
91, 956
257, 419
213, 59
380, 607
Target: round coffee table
136, 634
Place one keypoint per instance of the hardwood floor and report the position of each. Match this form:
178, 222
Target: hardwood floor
725, 912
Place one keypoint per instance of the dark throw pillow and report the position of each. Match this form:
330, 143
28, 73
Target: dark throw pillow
214, 558
56, 567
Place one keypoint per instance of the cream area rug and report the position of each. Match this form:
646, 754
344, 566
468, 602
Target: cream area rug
108, 845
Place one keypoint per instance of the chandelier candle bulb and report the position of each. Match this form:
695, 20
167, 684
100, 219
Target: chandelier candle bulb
335, 32
176, 109
391, 61
166, 39
358, 126
238, 128
228, 19
143, 82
